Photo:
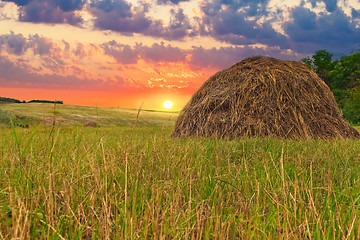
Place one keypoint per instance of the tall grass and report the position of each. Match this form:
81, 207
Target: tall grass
125, 183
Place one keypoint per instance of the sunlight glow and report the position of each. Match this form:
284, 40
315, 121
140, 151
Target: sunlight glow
168, 105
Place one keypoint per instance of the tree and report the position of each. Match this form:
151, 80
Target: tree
343, 78
321, 63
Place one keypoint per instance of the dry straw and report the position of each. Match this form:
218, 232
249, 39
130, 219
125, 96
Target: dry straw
263, 96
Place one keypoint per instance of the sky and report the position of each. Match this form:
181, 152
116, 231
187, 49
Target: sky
124, 53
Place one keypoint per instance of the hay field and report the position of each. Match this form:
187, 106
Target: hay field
72, 182
69, 115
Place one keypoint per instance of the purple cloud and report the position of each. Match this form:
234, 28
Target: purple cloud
126, 54
14, 43
229, 21
224, 57
309, 32
171, 1
20, 75
121, 17
162, 53
17, 44
118, 16
122, 53
50, 11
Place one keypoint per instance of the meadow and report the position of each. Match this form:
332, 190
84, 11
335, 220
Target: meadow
65, 181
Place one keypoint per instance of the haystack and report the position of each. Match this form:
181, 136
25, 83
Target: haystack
263, 96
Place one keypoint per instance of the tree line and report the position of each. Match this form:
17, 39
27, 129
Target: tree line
13, 100
342, 75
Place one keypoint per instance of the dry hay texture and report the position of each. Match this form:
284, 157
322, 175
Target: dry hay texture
263, 96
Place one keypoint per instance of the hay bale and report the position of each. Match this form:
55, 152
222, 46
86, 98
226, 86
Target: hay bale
263, 96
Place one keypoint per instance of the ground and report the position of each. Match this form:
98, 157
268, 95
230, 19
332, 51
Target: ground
122, 182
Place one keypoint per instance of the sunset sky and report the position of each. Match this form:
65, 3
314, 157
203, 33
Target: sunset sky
126, 52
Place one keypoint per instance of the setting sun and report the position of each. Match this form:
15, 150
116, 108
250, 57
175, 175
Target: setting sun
168, 105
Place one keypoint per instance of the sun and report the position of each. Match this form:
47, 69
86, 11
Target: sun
168, 105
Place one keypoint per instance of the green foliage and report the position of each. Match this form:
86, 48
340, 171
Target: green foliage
352, 106
321, 63
343, 78
345, 73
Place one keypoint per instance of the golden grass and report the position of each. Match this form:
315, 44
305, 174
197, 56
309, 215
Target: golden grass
126, 183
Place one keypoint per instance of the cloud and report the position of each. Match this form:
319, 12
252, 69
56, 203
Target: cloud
40, 45
50, 11
355, 13
179, 25
122, 53
171, 1
14, 43
162, 53
239, 23
330, 5
17, 44
126, 54
38, 11
20, 75
118, 16
63, 5
309, 31
224, 57
18, 2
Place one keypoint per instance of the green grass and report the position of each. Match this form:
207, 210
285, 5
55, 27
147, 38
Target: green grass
124, 183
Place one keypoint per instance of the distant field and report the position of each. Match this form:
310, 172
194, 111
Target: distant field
120, 182
80, 115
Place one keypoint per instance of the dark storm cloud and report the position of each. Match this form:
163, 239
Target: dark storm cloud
333, 31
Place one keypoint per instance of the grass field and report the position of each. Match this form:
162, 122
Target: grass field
74, 115
120, 182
